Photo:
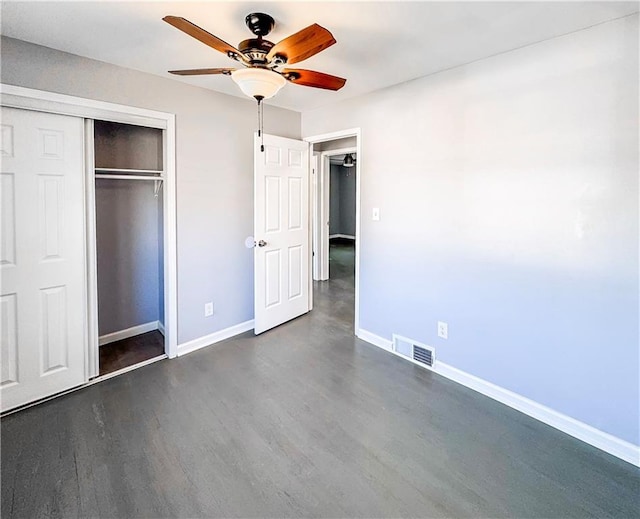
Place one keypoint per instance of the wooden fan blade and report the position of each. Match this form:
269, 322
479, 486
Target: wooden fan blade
202, 71
303, 44
313, 79
200, 34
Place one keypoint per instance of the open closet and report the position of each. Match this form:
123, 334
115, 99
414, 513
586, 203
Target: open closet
88, 282
129, 172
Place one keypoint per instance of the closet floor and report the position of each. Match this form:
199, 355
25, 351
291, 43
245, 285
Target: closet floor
127, 352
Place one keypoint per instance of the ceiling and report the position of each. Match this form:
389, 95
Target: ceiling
379, 43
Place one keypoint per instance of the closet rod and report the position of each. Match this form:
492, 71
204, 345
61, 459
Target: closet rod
130, 177
128, 170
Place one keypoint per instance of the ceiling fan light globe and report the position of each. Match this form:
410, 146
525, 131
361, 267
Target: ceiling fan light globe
258, 82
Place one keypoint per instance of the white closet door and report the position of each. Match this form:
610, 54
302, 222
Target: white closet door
42, 256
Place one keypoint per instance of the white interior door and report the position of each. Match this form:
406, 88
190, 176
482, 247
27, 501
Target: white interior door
281, 230
42, 257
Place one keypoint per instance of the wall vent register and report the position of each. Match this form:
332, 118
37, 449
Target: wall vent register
414, 351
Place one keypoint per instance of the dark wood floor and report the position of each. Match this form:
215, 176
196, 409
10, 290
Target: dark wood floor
127, 352
302, 421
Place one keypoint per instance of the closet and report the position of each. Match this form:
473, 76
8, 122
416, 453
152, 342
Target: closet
129, 172
87, 242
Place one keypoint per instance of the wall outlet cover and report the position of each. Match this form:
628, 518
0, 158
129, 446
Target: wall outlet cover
208, 309
443, 330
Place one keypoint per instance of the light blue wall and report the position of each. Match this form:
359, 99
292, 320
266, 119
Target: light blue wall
513, 217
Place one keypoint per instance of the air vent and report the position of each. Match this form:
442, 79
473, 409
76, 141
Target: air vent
423, 355
414, 351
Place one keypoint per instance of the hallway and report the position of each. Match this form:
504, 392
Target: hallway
334, 299
303, 421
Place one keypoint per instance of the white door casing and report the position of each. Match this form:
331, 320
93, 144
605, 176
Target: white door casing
42, 258
326, 137
315, 215
281, 230
323, 216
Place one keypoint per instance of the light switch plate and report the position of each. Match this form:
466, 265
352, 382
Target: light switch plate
376, 214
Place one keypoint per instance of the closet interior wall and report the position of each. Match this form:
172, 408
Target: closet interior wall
129, 228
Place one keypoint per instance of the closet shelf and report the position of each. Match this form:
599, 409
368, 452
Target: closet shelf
131, 177
158, 179
130, 171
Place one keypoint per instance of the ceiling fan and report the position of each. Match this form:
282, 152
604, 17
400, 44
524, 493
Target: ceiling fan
262, 76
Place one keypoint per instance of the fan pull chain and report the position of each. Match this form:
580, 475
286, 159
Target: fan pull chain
262, 128
260, 122
258, 118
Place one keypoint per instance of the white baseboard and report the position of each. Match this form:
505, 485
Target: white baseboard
604, 441
212, 338
374, 339
129, 332
345, 236
161, 327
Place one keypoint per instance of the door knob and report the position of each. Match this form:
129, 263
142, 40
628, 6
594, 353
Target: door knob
262, 243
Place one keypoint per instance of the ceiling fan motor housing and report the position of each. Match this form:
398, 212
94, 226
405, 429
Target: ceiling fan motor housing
256, 49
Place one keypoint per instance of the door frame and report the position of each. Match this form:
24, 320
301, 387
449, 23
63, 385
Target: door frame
42, 101
316, 191
323, 197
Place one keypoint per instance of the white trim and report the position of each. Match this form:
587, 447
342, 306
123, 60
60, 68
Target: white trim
332, 136
129, 332
339, 151
312, 179
170, 244
376, 340
127, 369
38, 100
345, 236
161, 327
351, 132
92, 364
604, 441
42, 101
214, 337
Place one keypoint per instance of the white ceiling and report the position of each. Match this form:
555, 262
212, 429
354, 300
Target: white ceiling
379, 43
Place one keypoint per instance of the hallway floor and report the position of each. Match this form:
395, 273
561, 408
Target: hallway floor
303, 421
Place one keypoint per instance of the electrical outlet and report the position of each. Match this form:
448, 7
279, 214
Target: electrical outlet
443, 330
208, 309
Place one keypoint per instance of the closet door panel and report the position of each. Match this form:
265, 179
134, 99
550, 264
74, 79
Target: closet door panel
42, 262
8, 223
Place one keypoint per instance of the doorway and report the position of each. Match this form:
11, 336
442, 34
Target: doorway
129, 169
336, 218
